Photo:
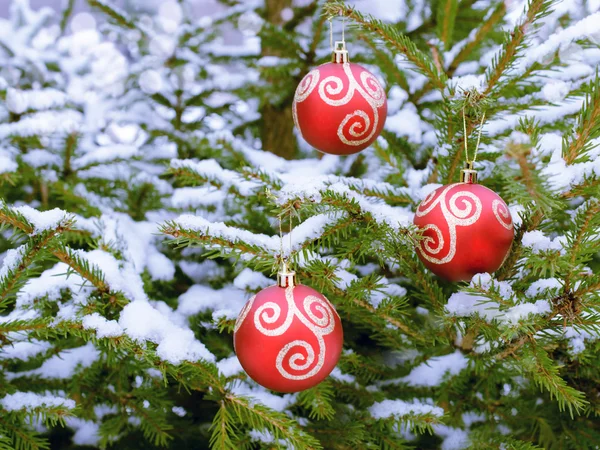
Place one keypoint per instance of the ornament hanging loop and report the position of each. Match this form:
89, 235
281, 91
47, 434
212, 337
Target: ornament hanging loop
286, 277
340, 54
468, 174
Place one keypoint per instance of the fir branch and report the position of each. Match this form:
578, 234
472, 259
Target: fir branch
222, 429
397, 41
588, 188
482, 32
318, 400
66, 15
530, 222
505, 60
588, 125
80, 265
15, 219
387, 61
546, 374
22, 438
588, 224
279, 424
115, 13
446, 18
13, 279
347, 297
535, 185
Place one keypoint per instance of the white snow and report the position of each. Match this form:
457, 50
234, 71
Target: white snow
29, 401
42, 220
226, 302
337, 374
43, 124
453, 438
515, 313
7, 164
542, 285
399, 408
50, 284
151, 81
211, 170
580, 30
40, 158
555, 91
38, 99
193, 197
100, 93
463, 304
64, 364
175, 344
434, 370
258, 394
86, 431
538, 242
12, 259
250, 280
406, 122
219, 229
103, 327
229, 366
179, 411
24, 350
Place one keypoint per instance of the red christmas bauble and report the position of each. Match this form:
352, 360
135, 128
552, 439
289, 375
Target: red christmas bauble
340, 108
467, 230
288, 339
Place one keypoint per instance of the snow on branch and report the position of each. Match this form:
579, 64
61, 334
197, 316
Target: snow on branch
37, 99
105, 154
399, 408
29, 401
210, 170
583, 29
546, 115
317, 191
43, 124
44, 220
222, 235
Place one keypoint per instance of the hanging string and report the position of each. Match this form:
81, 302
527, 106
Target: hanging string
343, 29
466, 138
331, 33
291, 227
281, 259
479, 137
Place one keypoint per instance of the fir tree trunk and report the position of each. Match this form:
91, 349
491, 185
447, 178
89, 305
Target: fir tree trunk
277, 130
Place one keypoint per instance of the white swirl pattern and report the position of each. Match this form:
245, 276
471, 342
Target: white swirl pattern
455, 216
243, 314
318, 317
360, 129
502, 214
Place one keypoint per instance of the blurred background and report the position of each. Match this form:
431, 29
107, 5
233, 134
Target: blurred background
200, 7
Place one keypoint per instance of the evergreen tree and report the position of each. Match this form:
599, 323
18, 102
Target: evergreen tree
142, 200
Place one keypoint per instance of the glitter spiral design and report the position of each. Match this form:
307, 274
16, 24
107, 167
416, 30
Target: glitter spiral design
357, 128
316, 314
463, 208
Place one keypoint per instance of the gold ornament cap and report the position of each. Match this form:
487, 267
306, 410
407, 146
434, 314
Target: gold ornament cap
286, 277
468, 174
340, 54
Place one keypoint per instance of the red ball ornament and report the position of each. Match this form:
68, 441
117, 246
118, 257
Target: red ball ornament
288, 339
340, 107
467, 230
